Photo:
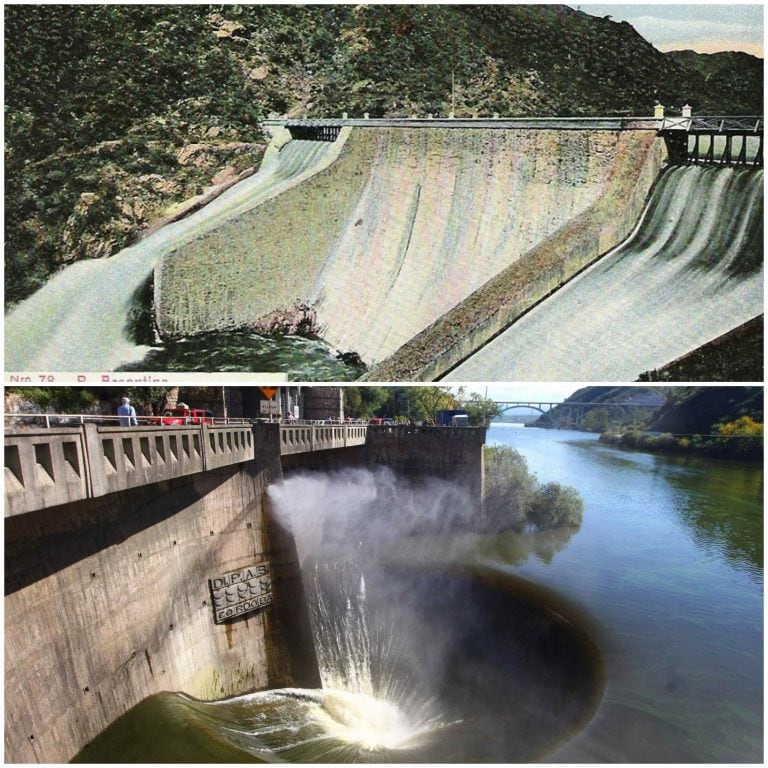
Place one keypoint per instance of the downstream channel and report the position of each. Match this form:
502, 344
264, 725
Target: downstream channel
637, 637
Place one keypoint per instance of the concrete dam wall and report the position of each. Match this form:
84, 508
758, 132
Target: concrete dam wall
108, 600
404, 225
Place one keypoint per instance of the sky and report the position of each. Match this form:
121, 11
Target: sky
696, 26
531, 392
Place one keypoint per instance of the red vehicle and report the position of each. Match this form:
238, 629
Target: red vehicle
186, 416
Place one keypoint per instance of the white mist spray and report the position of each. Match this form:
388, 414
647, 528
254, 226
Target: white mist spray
339, 520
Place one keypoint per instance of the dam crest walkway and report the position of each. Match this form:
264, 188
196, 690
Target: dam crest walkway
62, 464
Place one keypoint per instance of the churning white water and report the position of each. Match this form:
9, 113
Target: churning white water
692, 272
79, 319
366, 699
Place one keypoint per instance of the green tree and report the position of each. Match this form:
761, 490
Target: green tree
423, 402
740, 437
514, 499
481, 410
365, 402
555, 506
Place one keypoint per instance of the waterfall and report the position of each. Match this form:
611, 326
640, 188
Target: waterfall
78, 320
691, 272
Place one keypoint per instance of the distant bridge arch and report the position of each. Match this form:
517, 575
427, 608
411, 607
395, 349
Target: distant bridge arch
540, 407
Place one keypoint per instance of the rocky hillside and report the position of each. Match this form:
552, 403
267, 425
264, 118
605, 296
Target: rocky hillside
696, 410
641, 403
114, 113
732, 80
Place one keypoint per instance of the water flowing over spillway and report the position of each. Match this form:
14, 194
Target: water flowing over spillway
692, 271
79, 319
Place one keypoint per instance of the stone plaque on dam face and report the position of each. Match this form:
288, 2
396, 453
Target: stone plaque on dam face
239, 592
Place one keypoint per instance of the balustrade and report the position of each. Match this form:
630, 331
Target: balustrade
57, 465
46, 467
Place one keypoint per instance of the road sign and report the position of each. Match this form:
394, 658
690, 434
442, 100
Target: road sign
269, 406
268, 392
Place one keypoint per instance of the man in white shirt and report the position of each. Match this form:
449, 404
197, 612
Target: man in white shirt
127, 414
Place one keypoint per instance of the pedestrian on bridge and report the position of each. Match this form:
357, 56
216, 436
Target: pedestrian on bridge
127, 414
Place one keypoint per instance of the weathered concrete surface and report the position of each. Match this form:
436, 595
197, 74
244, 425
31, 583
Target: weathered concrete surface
451, 453
107, 602
262, 260
405, 225
543, 269
454, 454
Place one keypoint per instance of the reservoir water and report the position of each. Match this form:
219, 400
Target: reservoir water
637, 637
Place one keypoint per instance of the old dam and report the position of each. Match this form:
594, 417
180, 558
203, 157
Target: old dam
416, 242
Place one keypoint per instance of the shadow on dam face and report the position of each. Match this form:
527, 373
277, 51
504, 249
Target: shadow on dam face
436, 664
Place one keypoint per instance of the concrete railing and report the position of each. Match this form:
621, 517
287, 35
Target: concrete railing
46, 467
302, 438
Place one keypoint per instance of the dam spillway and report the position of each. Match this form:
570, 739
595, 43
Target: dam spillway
79, 320
691, 272
385, 231
404, 225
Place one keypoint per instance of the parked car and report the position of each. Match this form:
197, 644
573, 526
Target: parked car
174, 416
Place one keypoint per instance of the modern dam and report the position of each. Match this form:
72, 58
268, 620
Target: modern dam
414, 243
393, 627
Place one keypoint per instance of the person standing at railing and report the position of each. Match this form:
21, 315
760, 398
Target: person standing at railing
127, 414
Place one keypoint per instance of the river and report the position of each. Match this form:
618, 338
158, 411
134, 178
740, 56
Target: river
668, 561
636, 637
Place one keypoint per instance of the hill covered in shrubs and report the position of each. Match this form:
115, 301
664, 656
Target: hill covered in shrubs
116, 113
715, 421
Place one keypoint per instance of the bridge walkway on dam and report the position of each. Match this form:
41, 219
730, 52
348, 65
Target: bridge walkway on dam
60, 464
714, 140
707, 139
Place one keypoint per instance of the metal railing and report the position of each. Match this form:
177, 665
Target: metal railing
714, 124
49, 420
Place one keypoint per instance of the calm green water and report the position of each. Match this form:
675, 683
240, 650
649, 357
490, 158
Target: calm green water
669, 563
636, 638
245, 351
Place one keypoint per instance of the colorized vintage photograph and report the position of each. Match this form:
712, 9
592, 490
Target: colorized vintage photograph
386, 192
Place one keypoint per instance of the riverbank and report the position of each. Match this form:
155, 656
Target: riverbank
741, 440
